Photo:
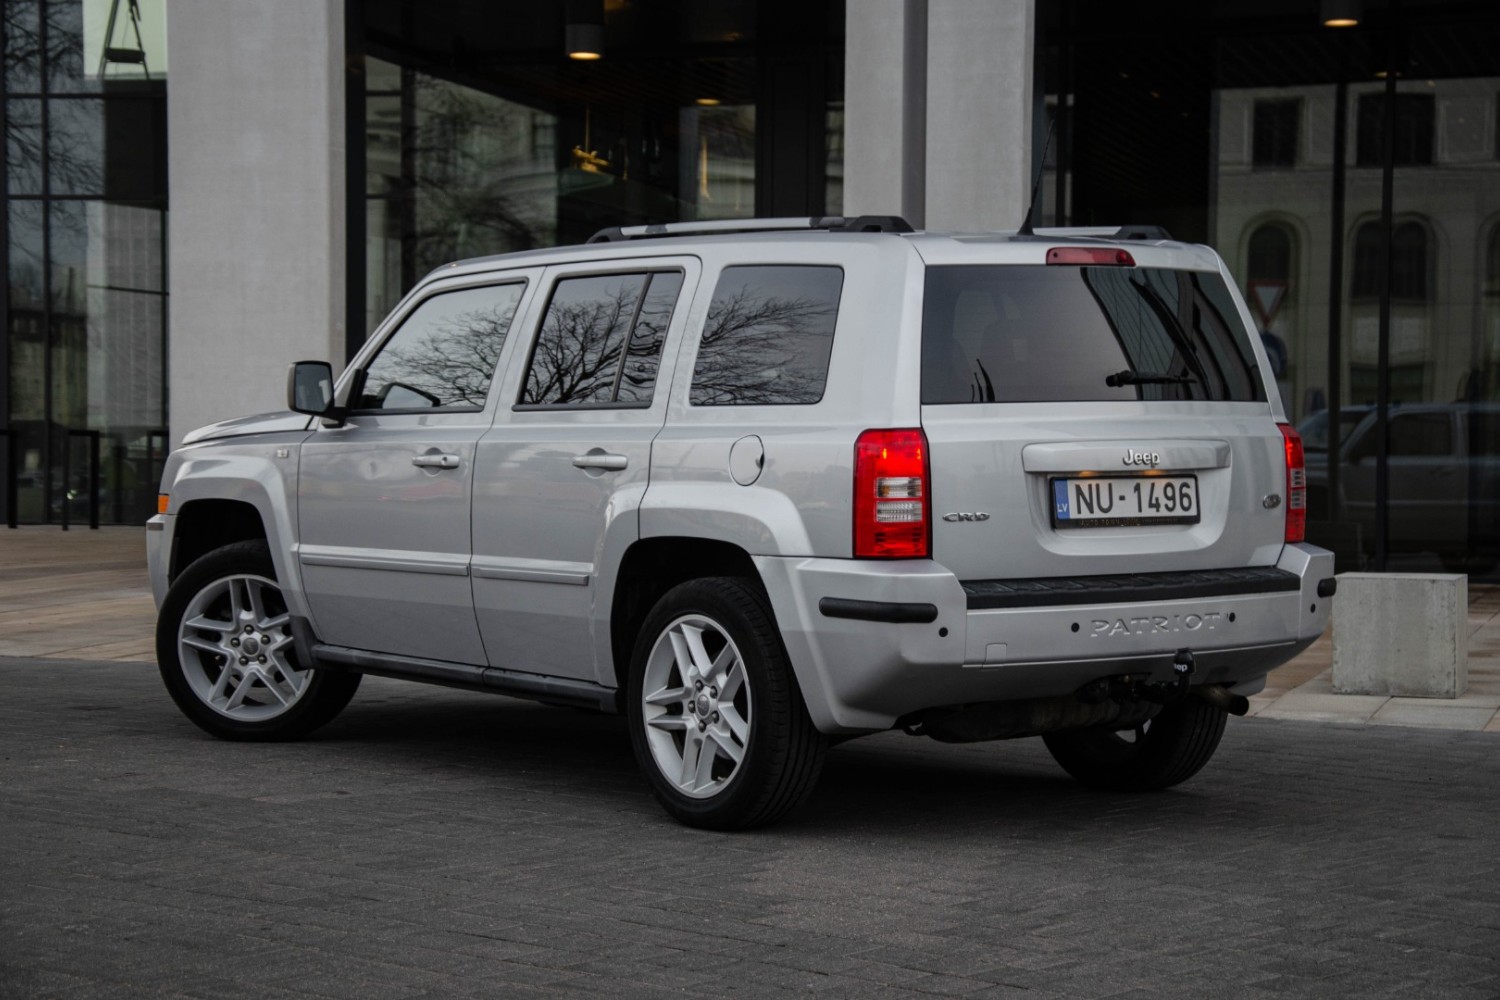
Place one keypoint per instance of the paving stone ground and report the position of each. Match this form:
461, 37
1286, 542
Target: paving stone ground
435, 843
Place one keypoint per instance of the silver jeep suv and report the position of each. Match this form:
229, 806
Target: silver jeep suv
762, 486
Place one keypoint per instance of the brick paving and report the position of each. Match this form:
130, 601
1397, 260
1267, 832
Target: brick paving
435, 843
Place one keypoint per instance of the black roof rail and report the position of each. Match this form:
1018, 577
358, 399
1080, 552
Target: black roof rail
1142, 233
831, 224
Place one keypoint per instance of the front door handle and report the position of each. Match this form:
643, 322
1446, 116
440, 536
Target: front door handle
440, 460
601, 460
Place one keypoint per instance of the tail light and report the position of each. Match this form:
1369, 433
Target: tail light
1296, 485
891, 503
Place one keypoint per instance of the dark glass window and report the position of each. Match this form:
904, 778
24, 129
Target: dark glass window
1412, 134
1274, 140
1409, 262
638, 377
581, 355
1421, 435
23, 147
444, 354
1270, 254
994, 334
768, 336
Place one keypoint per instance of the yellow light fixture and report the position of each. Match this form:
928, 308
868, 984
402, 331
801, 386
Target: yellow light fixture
707, 102
583, 32
1340, 13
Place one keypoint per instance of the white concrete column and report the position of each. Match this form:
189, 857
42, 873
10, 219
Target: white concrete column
938, 111
885, 107
980, 56
255, 116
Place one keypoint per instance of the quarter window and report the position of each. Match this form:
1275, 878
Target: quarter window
444, 354
768, 336
601, 340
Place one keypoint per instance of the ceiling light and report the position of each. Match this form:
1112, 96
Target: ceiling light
583, 32
1340, 13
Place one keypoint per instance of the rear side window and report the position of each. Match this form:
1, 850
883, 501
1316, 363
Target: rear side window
601, 339
997, 334
768, 336
444, 354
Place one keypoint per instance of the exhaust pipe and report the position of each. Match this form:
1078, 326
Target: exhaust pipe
1220, 697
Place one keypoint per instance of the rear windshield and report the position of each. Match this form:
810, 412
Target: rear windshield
1007, 333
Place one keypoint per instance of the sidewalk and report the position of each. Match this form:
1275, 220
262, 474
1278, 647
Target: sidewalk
83, 595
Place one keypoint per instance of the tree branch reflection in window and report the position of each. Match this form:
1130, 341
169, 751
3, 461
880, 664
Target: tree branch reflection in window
577, 354
768, 336
445, 353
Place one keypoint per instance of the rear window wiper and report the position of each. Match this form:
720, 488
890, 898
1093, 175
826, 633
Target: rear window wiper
1129, 377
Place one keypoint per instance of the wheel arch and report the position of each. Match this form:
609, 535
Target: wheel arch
653, 566
211, 523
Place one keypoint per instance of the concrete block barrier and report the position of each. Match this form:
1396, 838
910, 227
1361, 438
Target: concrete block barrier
1401, 634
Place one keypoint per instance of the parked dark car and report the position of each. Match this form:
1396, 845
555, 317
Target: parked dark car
1444, 489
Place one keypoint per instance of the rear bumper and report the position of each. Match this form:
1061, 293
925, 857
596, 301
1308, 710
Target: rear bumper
873, 641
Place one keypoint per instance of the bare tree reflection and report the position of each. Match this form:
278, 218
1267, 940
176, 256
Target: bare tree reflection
453, 362
73, 147
759, 349
578, 351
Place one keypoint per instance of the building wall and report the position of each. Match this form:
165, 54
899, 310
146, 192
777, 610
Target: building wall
256, 112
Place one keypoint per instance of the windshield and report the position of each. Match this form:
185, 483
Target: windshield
1006, 333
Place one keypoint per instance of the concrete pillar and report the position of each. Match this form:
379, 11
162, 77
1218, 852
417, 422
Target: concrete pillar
885, 108
980, 56
938, 110
255, 116
1402, 634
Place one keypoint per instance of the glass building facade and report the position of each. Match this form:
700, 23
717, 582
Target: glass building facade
1349, 176
1351, 179
82, 374
481, 135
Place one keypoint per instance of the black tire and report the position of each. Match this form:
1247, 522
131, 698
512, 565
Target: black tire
1169, 749
277, 699
781, 753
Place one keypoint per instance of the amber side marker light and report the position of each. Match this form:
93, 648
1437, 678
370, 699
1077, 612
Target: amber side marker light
1093, 256
162, 502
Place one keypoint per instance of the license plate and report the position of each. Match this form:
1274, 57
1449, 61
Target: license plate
1122, 501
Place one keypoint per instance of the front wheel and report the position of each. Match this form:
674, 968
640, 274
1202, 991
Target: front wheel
1170, 748
717, 722
224, 647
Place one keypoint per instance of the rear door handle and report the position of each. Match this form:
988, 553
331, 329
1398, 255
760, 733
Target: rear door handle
601, 460
441, 460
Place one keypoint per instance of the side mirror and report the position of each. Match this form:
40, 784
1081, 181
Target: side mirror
309, 388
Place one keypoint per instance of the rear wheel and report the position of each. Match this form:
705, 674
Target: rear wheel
1168, 749
224, 647
716, 720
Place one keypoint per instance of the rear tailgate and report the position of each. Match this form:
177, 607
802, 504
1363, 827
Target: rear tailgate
1090, 419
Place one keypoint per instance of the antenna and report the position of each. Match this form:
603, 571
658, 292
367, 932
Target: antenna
1036, 185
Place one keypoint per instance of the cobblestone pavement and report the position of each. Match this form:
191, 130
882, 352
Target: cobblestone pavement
434, 843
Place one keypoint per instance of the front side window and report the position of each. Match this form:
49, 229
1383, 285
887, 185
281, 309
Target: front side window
768, 336
444, 354
996, 334
601, 340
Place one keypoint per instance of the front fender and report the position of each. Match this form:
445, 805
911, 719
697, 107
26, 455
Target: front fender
262, 474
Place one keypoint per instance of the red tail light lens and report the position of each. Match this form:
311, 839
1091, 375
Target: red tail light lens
891, 503
1296, 485
1093, 256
